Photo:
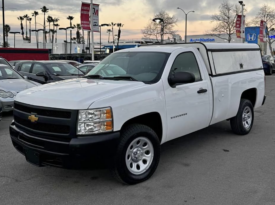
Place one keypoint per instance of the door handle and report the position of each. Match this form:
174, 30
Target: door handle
200, 91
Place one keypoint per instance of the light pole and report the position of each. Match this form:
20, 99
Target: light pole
186, 14
14, 33
65, 29
242, 24
102, 25
3, 12
161, 22
37, 36
113, 24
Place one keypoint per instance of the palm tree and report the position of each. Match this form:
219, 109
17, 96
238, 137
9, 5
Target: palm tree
30, 27
44, 10
49, 20
34, 14
78, 35
70, 18
7, 29
26, 17
21, 19
56, 25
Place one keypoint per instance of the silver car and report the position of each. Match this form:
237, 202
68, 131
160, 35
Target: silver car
11, 83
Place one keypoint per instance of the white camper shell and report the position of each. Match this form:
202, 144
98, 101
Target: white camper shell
227, 58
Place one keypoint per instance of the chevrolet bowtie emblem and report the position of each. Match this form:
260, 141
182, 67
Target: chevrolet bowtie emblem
33, 118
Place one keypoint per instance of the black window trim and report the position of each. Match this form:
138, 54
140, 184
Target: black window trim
173, 64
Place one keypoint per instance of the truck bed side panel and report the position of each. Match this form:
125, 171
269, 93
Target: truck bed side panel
228, 89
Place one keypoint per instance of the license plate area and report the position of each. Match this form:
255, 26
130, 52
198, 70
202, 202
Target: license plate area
33, 157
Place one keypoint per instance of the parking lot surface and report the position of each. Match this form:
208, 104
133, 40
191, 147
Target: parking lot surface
211, 166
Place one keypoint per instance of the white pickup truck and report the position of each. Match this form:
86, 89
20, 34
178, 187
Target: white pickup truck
134, 101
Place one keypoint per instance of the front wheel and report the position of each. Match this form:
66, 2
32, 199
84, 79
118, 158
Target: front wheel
137, 155
242, 123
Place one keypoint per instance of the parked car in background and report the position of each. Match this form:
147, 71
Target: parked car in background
91, 62
3, 61
13, 63
268, 63
86, 68
71, 62
47, 71
11, 83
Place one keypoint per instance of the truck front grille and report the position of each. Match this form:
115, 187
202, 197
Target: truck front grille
43, 127
56, 124
43, 112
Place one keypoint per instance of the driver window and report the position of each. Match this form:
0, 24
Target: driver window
186, 62
37, 69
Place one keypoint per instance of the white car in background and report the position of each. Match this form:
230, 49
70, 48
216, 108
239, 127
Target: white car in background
11, 83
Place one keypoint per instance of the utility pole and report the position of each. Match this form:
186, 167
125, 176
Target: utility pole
91, 25
242, 24
3, 12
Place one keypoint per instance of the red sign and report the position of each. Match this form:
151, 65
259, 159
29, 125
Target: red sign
85, 16
262, 30
238, 26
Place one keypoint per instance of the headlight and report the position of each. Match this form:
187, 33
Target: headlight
4, 94
94, 121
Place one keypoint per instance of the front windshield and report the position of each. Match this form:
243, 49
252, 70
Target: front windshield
142, 66
8, 73
63, 69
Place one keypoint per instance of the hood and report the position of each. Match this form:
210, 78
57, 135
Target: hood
16, 85
75, 93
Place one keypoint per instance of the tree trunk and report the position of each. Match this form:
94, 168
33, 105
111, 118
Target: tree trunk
50, 32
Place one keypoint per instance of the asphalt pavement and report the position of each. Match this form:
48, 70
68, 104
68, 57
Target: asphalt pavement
209, 167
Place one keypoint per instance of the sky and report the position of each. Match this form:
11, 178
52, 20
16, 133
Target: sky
134, 14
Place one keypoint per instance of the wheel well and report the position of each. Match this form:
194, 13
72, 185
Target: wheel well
152, 120
250, 95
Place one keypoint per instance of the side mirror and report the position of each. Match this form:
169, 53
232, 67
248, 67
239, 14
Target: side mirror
181, 78
42, 74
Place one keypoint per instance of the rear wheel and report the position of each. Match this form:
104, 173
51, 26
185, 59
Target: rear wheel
137, 155
242, 123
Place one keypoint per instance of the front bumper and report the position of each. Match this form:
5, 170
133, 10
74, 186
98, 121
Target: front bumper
7, 104
41, 152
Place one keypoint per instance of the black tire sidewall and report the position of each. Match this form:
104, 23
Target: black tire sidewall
244, 104
120, 164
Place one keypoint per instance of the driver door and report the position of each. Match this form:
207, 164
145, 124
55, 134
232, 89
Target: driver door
188, 105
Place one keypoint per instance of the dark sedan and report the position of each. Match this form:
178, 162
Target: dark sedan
47, 71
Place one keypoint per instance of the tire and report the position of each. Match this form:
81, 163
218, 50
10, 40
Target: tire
270, 71
240, 124
130, 168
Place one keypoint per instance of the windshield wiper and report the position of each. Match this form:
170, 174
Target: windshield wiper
93, 76
122, 78
11, 78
